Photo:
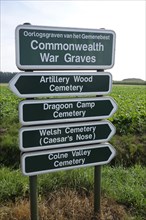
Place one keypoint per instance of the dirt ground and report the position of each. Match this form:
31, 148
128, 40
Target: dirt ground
64, 205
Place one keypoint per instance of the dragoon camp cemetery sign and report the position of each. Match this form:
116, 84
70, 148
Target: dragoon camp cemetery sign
65, 110
40, 47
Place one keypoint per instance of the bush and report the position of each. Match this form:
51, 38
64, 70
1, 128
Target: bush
130, 150
12, 185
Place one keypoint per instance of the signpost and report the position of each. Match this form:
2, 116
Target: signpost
56, 48
64, 135
27, 85
34, 163
35, 112
40, 48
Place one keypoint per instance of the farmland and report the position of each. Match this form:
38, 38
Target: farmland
129, 141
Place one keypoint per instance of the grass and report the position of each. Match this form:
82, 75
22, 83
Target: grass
66, 205
126, 186
69, 194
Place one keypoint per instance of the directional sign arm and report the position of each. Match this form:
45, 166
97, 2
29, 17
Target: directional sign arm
58, 111
72, 134
65, 159
29, 85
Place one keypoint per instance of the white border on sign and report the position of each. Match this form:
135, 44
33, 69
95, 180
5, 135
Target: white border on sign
28, 102
72, 125
87, 147
18, 75
61, 67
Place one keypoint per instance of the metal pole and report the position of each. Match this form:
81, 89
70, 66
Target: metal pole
33, 186
97, 184
97, 189
33, 197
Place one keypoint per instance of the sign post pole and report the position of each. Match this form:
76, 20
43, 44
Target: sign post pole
33, 197
33, 193
97, 185
97, 189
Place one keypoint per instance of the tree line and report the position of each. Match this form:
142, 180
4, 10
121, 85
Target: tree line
5, 77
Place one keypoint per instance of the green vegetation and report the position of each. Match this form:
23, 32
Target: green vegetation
9, 128
126, 186
123, 180
129, 120
131, 115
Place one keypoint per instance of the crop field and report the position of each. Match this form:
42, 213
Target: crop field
131, 114
128, 197
130, 117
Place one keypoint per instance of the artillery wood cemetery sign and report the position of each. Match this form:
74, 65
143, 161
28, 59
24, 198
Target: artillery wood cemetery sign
40, 48
27, 85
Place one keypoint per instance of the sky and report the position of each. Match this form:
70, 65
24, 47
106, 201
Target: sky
126, 17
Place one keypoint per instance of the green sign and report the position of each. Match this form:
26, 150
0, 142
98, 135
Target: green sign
57, 136
26, 85
39, 47
40, 162
33, 112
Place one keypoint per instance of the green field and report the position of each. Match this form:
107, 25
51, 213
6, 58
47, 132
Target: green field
129, 164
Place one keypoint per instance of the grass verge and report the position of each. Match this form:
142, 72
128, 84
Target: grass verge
126, 186
65, 204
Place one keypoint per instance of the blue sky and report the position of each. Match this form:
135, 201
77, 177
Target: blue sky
126, 18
